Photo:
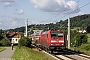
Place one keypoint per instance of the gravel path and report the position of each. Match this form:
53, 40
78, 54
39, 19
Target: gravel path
7, 54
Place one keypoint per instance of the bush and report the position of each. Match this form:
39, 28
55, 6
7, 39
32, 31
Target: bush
87, 47
79, 39
24, 41
4, 42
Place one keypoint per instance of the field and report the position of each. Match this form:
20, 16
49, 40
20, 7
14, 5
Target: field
26, 53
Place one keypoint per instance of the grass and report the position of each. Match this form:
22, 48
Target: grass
26, 53
2, 48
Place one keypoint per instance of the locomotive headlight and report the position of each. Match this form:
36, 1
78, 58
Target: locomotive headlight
51, 44
62, 44
53, 41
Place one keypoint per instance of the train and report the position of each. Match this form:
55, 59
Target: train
51, 40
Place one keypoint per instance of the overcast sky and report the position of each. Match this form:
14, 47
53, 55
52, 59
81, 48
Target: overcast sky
14, 12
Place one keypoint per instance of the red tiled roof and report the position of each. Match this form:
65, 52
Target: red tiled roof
13, 35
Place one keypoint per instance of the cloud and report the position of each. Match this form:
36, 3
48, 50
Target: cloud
56, 6
11, 22
7, 2
80, 13
19, 12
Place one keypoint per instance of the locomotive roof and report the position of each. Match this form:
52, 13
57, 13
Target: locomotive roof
44, 32
37, 33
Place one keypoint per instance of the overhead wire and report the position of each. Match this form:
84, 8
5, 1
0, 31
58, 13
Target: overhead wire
68, 13
78, 1
58, 14
73, 11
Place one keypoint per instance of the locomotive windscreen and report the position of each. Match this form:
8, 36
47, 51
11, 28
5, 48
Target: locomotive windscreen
53, 34
56, 34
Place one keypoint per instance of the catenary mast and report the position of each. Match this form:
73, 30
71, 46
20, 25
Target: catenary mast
26, 22
69, 33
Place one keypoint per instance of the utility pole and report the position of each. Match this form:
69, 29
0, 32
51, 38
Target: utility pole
69, 33
26, 26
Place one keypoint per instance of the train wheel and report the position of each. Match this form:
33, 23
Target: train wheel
39, 49
51, 51
45, 49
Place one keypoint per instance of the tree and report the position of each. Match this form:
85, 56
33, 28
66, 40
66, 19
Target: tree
31, 32
1, 37
88, 29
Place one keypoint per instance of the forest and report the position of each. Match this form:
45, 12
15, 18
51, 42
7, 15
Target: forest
78, 22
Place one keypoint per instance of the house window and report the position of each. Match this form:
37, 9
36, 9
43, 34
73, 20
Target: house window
16, 39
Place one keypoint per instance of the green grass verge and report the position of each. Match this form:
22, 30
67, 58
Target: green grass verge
2, 48
26, 53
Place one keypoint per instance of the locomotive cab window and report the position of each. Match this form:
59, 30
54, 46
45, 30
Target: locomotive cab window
53, 34
56, 34
60, 34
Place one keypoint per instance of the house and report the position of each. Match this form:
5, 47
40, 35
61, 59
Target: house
82, 31
13, 37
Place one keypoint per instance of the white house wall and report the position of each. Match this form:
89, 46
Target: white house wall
14, 40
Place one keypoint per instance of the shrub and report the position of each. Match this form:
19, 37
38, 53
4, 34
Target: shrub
24, 41
87, 47
4, 42
79, 39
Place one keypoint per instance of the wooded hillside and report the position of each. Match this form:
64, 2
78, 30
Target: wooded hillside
80, 22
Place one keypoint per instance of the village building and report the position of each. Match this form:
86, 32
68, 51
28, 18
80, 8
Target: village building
13, 37
82, 31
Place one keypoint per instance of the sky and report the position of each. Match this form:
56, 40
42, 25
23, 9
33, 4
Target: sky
13, 13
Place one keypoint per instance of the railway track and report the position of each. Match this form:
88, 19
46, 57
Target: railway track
76, 55
67, 55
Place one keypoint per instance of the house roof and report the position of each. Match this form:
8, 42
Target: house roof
13, 35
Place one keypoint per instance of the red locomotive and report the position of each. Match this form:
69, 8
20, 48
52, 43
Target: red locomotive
51, 40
